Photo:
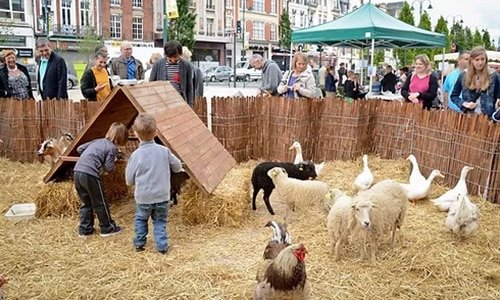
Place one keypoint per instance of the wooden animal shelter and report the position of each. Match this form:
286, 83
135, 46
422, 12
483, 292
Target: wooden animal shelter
179, 128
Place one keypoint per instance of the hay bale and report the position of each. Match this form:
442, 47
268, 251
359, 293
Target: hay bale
61, 199
226, 206
115, 187
57, 199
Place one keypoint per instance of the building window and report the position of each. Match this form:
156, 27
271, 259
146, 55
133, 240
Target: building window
116, 27
258, 30
84, 13
210, 4
66, 12
115, 2
210, 27
273, 32
137, 28
12, 10
273, 6
136, 3
229, 3
258, 5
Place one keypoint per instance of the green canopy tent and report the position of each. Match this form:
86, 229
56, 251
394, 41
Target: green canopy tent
368, 26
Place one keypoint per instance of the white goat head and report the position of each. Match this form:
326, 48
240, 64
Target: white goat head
361, 210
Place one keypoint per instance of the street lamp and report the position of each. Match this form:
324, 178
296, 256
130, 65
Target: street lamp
421, 2
455, 17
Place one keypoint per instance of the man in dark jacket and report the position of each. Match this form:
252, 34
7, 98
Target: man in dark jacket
389, 81
174, 68
126, 66
52, 72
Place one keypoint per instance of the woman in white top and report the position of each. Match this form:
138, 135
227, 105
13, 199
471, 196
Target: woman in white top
298, 82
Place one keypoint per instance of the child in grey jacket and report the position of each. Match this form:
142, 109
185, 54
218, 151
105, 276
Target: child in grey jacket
96, 157
148, 168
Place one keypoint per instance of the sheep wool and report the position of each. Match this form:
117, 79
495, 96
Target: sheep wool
297, 193
376, 211
337, 221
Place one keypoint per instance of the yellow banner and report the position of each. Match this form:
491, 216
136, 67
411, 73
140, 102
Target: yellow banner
172, 12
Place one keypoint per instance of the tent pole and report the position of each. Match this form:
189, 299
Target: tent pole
291, 56
362, 67
371, 65
443, 101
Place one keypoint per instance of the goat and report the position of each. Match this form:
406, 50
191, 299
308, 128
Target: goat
52, 148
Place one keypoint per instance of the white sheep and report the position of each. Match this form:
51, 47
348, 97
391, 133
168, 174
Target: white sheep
337, 221
376, 211
462, 217
295, 192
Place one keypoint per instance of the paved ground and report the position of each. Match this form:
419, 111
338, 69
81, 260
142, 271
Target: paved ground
221, 89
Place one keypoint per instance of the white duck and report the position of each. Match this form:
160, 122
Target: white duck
364, 179
420, 189
463, 216
298, 157
444, 201
298, 152
415, 175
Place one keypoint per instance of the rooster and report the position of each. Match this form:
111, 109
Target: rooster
282, 274
285, 277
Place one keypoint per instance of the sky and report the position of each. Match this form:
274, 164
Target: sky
483, 14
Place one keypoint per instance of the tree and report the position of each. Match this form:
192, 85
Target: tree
182, 28
442, 27
487, 41
457, 35
477, 39
285, 29
425, 21
88, 42
468, 38
405, 56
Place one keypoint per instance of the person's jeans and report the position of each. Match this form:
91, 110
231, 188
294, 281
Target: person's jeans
158, 213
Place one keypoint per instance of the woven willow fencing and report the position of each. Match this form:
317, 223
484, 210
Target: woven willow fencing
264, 128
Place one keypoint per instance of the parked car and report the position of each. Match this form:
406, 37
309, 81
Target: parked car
244, 71
72, 80
219, 73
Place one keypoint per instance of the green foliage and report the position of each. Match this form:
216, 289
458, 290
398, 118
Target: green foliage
285, 29
487, 41
468, 38
425, 21
477, 39
405, 56
182, 28
457, 35
442, 27
88, 42
379, 56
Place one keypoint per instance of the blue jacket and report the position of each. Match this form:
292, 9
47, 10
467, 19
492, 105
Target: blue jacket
330, 83
487, 98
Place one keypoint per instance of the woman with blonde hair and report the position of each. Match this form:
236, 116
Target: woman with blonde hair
478, 82
299, 82
15, 79
421, 85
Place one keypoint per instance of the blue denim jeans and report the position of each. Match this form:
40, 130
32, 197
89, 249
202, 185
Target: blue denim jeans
158, 213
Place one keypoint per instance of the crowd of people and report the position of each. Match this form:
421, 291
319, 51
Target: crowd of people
472, 88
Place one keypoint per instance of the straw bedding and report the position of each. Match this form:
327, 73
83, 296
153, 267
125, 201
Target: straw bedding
45, 258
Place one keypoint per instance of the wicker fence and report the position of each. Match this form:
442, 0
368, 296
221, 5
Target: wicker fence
252, 128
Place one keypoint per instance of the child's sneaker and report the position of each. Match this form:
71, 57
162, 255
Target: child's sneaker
139, 249
164, 252
115, 230
85, 235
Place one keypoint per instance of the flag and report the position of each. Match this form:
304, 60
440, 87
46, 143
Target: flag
172, 12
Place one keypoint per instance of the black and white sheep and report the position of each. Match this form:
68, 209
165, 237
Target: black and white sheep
377, 211
260, 180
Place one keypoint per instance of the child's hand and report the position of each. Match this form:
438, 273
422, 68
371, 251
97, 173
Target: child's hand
3, 280
470, 105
